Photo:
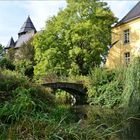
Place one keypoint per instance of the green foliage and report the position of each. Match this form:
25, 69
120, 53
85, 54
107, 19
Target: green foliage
24, 59
28, 111
20, 105
74, 40
10, 80
60, 113
26, 51
131, 93
63, 97
10, 54
106, 87
6, 63
1, 50
25, 67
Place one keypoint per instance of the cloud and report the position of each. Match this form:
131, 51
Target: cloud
14, 13
40, 11
121, 8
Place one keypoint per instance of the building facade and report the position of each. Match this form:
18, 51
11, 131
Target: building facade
125, 39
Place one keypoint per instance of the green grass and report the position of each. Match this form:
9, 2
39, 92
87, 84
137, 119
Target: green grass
30, 111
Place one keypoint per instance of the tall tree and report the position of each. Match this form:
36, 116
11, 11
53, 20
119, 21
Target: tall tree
74, 41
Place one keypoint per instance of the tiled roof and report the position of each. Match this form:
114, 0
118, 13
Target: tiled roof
27, 26
26, 32
11, 43
132, 14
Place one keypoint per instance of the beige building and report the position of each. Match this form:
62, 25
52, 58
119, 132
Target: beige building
125, 39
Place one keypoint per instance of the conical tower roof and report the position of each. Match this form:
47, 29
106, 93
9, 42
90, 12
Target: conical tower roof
11, 43
27, 26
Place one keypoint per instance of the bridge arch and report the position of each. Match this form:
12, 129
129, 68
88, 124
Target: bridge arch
78, 91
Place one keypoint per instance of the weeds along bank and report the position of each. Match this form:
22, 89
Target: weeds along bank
28, 111
21, 103
119, 91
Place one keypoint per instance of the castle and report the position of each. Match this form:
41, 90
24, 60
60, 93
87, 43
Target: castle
125, 38
25, 33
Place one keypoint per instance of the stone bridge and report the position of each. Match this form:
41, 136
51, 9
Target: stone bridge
75, 89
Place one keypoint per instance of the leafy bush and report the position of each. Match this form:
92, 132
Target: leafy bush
6, 63
10, 80
106, 87
26, 51
25, 67
19, 96
131, 93
20, 105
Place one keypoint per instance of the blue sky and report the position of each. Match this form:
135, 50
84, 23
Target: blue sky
14, 13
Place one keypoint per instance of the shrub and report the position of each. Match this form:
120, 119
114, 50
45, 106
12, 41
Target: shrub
18, 95
106, 87
131, 93
20, 105
6, 63
25, 67
10, 80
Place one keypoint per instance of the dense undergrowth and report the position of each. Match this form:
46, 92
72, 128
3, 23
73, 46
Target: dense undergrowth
30, 111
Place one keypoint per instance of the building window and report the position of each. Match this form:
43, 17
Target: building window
126, 36
127, 57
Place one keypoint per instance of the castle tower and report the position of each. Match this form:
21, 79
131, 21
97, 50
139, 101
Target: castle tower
10, 44
25, 33
27, 27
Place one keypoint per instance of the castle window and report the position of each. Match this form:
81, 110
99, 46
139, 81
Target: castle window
126, 36
127, 57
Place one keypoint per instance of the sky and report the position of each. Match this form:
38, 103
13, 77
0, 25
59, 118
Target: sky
13, 14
